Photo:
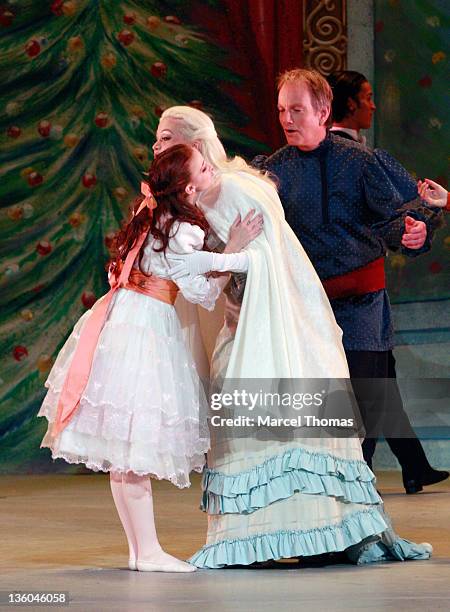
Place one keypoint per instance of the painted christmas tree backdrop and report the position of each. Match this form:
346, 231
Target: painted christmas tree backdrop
83, 85
412, 67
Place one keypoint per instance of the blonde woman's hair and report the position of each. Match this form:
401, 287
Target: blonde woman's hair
196, 126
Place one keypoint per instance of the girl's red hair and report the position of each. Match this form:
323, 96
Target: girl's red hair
168, 177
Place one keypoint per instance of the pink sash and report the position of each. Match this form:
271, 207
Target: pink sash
161, 289
80, 367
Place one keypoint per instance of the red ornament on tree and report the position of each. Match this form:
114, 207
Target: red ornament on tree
435, 267
56, 7
129, 18
20, 352
15, 213
88, 299
159, 110
44, 128
101, 120
43, 248
34, 179
172, 19
89, 180
6, 17
196, 104
14, 131
32, 48
158, 70
425, 81
379, 26
125, 37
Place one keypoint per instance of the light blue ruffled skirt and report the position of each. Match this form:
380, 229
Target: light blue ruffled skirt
299, 501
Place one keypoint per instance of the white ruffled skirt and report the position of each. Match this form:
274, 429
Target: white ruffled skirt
144, 408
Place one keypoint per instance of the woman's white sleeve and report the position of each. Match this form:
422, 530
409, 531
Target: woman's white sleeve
198, 290
233, 262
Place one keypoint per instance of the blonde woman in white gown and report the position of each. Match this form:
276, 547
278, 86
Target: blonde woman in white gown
268, 499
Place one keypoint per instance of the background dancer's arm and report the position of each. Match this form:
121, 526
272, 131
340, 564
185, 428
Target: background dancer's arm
402, 219
434, 194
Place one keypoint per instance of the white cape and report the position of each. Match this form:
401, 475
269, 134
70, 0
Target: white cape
286, 325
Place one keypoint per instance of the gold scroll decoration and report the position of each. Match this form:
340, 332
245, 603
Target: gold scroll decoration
325, 35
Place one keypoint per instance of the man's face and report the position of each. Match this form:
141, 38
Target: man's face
303, 126
364, 107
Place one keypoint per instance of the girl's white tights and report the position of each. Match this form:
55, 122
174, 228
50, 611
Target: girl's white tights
115, 479
133, 498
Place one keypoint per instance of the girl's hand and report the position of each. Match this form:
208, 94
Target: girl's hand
432, 193
243, 232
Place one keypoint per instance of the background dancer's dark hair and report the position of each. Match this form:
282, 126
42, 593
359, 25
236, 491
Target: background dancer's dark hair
345, 84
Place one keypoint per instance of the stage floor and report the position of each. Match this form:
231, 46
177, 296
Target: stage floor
61, 533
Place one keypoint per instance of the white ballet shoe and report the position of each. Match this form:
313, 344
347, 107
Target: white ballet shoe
178, 567
428, 547
132, 564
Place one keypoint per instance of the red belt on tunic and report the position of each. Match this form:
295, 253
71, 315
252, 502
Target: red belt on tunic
357, 282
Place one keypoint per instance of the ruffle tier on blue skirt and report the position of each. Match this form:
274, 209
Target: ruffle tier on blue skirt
281, 476
286, 544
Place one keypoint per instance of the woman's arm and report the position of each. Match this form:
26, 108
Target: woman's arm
434, 194
232, 260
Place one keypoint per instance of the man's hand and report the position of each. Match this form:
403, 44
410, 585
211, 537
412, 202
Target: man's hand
415, 233
432, 193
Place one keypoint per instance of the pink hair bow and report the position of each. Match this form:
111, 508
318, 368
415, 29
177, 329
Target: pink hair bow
148, 200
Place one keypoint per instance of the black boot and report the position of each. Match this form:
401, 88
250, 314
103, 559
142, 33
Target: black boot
429, 477
416, 469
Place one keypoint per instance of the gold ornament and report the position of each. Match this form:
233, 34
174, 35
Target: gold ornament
437, 57
69, 8
44, 363
140, 153
108, 60
26, 172
397, 261
27, 314
71, 140
137, 110
76, 219
75, 43
120, 193
153, 22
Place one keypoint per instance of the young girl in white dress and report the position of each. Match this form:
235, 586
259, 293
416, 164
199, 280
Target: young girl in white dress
124, 395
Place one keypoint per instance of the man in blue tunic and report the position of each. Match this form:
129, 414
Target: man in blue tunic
346, 205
